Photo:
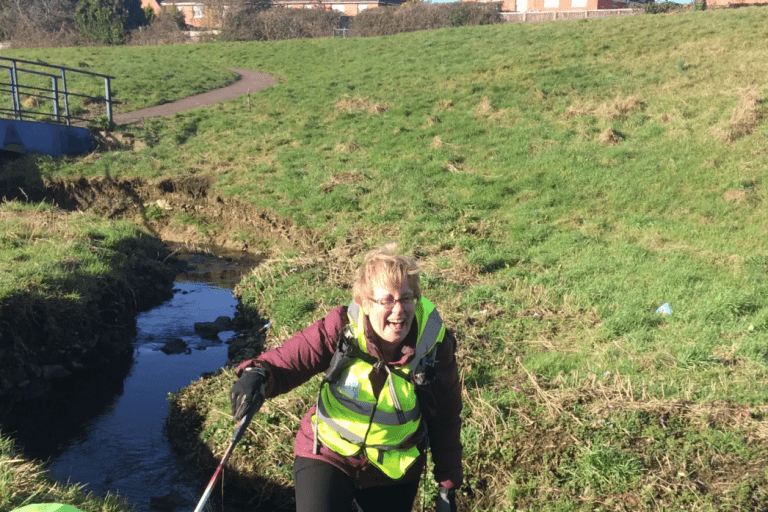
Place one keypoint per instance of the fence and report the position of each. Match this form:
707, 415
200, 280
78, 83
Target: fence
520, 17
36, 95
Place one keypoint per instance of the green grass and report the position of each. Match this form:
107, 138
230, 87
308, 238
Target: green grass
560, 182
52, 254
24, 483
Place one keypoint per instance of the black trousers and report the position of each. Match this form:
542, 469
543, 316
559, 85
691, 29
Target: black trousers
322, 487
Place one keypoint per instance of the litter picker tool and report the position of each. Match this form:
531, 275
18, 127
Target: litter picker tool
239, 431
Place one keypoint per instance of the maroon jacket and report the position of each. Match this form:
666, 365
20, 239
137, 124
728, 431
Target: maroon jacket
310, 351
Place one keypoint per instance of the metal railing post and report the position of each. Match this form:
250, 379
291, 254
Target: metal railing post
66, 96
15, 91
108, 97
55, 98
55, 93
13, 94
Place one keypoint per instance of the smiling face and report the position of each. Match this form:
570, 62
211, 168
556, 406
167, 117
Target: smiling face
391, 312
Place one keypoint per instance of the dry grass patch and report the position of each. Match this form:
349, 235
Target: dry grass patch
35, 225
114, 141
460, 271
666, 118
360, 104
745, 117
346, 178
734, 196
484, 110
622, 107
486, 482
595, 410
610, 138
26, 475
31, 102
748, 196
347, 147
454, 167
616, 109
602, 395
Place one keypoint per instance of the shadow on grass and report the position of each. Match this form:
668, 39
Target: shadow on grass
255, 493
20, 177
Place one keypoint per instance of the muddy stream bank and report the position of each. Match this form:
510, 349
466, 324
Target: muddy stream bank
107, 430
105, 425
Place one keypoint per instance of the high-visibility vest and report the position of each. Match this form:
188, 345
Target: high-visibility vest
350, 419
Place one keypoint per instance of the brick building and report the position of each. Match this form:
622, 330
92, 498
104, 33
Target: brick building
561, 5
727, 3
557, 5
198, 15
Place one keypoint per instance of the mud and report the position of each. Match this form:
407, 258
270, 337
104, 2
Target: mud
161, 207
221, 267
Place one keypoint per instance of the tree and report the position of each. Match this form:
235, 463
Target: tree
35, 16
108, 21
216, 11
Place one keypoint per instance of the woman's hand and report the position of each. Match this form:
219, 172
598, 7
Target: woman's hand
248, 391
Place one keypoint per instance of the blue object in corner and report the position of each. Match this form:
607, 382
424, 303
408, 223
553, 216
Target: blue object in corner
44, 138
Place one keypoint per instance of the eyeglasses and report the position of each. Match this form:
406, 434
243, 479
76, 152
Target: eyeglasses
389, 302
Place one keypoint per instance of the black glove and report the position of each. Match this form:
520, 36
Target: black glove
446, 500
248, 391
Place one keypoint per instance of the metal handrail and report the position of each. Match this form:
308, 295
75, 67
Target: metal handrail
16, 89
10, 113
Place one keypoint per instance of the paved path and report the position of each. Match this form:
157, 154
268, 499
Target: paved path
249, 81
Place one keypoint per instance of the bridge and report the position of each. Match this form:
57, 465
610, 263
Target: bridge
44, 115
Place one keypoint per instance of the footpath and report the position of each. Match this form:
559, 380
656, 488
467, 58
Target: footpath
248, 82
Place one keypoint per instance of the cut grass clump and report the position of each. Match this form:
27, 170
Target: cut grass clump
359, 104
746, 116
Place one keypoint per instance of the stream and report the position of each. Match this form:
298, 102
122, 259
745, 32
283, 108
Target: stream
108, 431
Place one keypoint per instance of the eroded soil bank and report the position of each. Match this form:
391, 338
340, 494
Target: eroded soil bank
183, 210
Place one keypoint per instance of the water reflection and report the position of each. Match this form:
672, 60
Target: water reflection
70, 407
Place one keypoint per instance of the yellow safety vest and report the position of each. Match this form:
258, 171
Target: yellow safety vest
350, 419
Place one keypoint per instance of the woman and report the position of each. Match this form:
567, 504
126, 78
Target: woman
391, 389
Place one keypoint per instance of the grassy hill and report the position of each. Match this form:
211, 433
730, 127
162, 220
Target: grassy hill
559, 182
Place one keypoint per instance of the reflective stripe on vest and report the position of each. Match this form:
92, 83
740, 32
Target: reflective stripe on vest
350, 418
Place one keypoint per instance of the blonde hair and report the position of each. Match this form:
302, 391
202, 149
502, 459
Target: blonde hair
385, 268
